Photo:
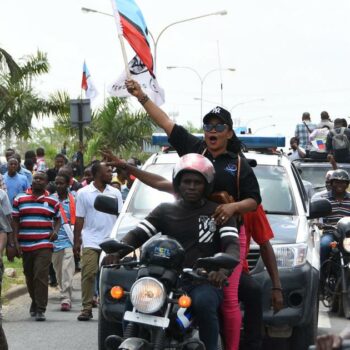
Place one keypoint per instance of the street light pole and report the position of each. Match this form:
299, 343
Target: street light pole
202, 79
218, 13
244, 102
264, 127
258, 118
156, 40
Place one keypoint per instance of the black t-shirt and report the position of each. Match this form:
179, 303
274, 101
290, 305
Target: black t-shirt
191, 225
225, 166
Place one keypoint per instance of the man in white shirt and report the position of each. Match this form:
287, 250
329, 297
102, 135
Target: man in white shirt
92, 228
297, 151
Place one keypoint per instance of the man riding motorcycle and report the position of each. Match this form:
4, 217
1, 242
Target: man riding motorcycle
189, 221
340, 201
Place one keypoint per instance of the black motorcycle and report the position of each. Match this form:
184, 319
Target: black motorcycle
158, 314
335, 271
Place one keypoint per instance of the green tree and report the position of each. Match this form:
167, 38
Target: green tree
114, 127
20, 102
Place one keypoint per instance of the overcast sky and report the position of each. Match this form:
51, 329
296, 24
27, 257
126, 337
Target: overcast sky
293, 54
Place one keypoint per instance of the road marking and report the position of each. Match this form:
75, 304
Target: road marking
323, 320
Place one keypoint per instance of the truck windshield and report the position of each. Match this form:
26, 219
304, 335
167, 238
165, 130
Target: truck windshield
273, 180
275, 189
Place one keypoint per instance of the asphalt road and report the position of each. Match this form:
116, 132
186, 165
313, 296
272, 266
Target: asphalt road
61, 330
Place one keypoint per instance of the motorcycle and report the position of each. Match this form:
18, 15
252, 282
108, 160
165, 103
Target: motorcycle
158, 314
335, 271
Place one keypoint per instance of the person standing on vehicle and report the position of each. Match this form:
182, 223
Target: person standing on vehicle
236, 178
297, 151
62, 257
326, 120
338, 142
257, 228
318, 139
92, 228
303, 130
189, 221
340, 202
36, 224
221, 146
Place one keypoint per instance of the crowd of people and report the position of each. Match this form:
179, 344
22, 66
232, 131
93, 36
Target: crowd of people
321, 141
48, 218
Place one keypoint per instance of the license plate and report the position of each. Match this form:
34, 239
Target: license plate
151, 320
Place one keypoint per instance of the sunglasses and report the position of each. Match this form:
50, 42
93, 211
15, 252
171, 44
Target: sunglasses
216, 127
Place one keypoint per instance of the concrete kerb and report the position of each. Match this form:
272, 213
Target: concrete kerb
15, 292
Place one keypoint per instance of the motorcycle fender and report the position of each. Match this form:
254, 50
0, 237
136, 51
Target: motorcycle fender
135, 344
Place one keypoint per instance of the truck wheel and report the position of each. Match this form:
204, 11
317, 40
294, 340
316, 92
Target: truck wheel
303, 337
106, 328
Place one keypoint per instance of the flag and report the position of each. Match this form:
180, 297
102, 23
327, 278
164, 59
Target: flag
87, 85
138, 71
321, 145
129, 17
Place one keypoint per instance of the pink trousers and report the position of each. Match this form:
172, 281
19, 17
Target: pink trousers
230, 310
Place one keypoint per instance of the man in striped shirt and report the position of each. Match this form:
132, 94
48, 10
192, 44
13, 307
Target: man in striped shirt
340, 201
35, 226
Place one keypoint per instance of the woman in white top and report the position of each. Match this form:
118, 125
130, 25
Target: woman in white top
318, 140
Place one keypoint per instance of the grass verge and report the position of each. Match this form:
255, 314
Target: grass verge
9, 282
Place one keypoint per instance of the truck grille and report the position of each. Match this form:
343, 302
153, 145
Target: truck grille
253, 257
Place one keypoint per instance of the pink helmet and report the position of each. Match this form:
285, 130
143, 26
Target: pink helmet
197, 163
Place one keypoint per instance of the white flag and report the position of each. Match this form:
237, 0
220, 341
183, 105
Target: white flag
140, 73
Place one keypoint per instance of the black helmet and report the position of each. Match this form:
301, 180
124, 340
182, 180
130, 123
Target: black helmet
341, 175
343, 227
163, 251
197, 163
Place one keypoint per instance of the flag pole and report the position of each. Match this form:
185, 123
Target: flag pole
121, 40
120, 36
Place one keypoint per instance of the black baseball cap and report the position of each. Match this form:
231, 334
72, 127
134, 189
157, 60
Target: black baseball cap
220, 113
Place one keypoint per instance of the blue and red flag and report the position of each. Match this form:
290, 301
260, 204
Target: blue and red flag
87, 84
321, 145
134, 30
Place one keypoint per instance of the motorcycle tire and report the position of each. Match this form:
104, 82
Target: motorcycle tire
336, 306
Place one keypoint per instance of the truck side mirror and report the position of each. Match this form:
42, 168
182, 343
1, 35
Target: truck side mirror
106, 204
320, 208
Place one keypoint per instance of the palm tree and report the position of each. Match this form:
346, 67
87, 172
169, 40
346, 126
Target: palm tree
19, 102
116, 128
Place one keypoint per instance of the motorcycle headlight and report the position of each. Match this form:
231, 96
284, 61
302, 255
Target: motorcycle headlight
290, 255
147, 295
346, 244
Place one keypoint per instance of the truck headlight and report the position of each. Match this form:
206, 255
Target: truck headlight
346, 244
147, 295
290, 255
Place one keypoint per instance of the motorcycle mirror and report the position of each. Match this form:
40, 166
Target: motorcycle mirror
106, 204
220, 260
111, 246
320, 208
